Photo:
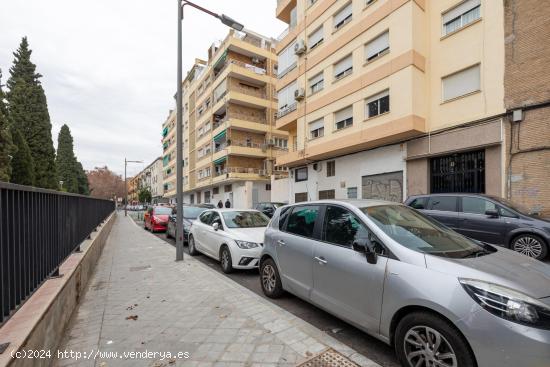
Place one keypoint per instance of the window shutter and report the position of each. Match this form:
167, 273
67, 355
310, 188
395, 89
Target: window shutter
343, 13
460, 9
344, 114
461, 83
220, 90
286, 95
378, 96
316, 79
317, 124
287, 58
378, 44
343, 65
316, 36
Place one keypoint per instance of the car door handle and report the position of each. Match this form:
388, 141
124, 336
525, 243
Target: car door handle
281, 243
321, 260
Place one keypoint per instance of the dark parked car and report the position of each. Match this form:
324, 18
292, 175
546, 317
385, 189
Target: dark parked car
268, 208
488, 219
190, 213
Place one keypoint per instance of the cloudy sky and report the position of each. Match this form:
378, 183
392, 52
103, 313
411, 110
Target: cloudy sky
109, 66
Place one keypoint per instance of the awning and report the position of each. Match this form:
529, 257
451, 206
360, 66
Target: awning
220, 135
220, 160
220, 60
165, 131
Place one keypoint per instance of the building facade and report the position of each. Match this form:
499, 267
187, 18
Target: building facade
389, 98
152, 179
230, 141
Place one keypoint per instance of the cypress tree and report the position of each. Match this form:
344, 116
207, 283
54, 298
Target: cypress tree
7, 149
22, 163
83, 186
66, 161
29, 114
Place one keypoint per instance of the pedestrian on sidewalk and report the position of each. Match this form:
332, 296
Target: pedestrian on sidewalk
227, 204
220, 204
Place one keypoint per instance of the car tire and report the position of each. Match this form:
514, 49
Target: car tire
192, 249
414, 334
531, 245
270, 279
226, 261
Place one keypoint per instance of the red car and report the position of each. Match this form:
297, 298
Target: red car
156, 218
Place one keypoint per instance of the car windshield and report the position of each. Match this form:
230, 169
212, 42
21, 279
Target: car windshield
245, 219
514, 206
192, 212
420, 233
163, 211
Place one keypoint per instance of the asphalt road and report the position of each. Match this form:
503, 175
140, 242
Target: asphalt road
345, 333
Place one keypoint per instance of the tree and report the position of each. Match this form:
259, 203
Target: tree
28, 110
144, 195
7, 149
66, 161
105, 184
83, 187
22, 163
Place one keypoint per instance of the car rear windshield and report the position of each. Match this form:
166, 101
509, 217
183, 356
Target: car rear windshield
245, 219
420, 233
192, 212
163, 211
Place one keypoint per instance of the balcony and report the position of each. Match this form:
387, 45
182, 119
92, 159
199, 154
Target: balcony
284, 8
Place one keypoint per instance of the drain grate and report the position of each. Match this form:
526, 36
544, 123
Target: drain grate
329, 358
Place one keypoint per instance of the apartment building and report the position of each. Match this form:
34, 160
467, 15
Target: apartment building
229, 137
152, 179
527, 99
388, 98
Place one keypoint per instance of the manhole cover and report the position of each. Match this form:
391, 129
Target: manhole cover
140, 268
329, 358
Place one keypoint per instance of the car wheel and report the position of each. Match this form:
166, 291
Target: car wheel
192, 249
530, 245
270, 279
225, 260
424, 339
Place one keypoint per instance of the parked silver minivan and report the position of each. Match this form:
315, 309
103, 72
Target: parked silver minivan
440, 298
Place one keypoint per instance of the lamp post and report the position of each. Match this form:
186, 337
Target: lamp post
228, 21
126, 185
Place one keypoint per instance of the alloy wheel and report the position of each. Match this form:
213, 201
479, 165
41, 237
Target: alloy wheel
268, 278
225, 258
426, 347
529, 246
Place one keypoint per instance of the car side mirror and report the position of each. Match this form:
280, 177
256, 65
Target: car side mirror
216, 226
364, 246
492, 213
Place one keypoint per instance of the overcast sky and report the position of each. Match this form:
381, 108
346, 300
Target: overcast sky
109, 66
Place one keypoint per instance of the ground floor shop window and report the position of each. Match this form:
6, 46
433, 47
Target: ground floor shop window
460, 172
326, 194
300, 197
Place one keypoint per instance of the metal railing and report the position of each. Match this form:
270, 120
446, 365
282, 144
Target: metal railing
286, 110
39, 229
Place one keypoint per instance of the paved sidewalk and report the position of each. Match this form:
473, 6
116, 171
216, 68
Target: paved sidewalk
140, 299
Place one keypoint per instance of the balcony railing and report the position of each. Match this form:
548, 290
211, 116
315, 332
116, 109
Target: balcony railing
283, 34
226, 170
286, 110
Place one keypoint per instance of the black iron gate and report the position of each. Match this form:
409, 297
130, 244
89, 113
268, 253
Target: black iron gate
460, 172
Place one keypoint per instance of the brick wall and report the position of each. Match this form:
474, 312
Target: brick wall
527, 82
245, 162
241, 136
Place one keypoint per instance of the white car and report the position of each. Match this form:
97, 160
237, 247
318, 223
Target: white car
232, 236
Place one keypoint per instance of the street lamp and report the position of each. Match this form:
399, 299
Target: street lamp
126, 185
230, 22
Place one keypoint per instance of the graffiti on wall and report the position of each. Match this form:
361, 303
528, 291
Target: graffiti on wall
385, 186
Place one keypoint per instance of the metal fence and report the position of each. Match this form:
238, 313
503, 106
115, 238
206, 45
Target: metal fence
39, 229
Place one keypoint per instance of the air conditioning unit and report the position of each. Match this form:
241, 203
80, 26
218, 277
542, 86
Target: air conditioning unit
299, 94
300, 47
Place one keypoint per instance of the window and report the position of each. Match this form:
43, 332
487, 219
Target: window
378, 104
280, 143
293, 18
215, 218
475, 205
344, 118
300, 197
300, 174
302, 220
378, 46
418, 203
287, 60
461, 15
317, 83
461, 83
207, 197
331, 168
352, 192
342, 227
228, 188
343, 16
343, 67
317, 129
267, 187
283, 216
443, 203
286, 101
192, 199
315, 38
205, 217
370, 2
326, 194
215, 191
459, 172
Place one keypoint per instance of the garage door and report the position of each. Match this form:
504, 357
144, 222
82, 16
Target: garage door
385, 186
